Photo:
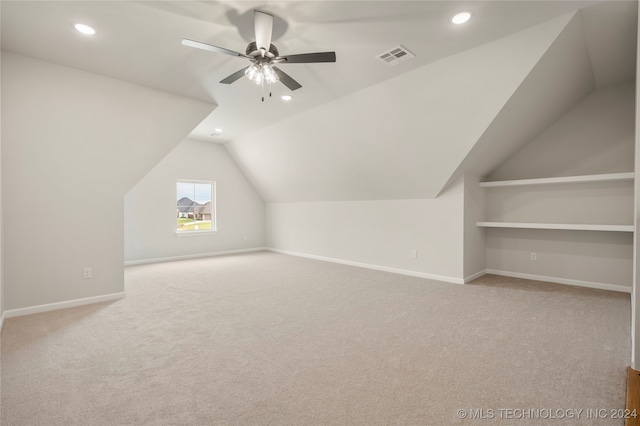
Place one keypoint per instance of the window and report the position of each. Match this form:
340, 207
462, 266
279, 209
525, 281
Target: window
196, 209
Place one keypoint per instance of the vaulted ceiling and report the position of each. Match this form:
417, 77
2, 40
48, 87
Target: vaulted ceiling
357, 129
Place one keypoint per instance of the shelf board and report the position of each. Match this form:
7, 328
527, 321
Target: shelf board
610, 177
566, 226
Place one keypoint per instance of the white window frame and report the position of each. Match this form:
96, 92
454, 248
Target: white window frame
214, 213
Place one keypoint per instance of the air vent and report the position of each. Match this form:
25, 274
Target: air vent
395, 56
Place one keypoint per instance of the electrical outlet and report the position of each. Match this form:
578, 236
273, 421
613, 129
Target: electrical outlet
245, 238
87, 273
534, 255
414, 254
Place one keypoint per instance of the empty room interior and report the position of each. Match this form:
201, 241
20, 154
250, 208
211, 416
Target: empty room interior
318, 212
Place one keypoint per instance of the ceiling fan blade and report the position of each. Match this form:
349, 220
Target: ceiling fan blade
235, 76
263, 23
286, 79
307, 58
211, 48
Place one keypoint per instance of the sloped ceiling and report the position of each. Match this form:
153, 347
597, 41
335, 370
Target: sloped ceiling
560, 79
595, 136
139, 42
610, 33
596, 50
401, 139
357, 129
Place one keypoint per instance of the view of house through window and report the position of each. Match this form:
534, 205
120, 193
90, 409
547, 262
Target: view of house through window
195, 205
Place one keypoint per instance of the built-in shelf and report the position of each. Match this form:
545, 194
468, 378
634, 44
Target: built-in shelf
610, 177
567, 226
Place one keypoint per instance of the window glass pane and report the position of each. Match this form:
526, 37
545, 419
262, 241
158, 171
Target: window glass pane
185, 190
202, 193
194, 206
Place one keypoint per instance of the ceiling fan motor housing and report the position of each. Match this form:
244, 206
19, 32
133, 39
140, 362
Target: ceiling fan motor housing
252, 50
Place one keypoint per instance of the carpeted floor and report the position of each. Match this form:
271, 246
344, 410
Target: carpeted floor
269, 339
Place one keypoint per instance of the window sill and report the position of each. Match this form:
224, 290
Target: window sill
195, 233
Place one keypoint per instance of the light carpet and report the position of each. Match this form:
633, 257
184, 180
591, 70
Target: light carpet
270, 339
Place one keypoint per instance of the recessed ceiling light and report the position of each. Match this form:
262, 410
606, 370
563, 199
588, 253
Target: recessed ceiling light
218, 130
84, 29
286, 97
461, 18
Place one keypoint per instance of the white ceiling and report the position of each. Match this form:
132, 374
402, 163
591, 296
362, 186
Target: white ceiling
139, 42
401, 139
357, 129
559, 81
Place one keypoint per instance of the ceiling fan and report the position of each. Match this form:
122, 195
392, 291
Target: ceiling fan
264, 55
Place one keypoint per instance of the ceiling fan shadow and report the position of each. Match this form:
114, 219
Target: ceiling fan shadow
244, 22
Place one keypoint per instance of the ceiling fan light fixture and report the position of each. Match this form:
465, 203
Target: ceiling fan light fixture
261, 73
252, 71
269, 74
461, 18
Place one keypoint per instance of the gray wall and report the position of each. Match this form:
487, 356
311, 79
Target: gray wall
73, 143
150, 212
635, 295
580, 257
475, 261
605, 203
378, 233
1, 236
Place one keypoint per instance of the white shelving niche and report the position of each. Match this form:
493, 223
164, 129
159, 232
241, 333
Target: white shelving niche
603, 202
574, 230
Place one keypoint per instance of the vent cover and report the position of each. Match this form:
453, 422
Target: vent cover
395, 56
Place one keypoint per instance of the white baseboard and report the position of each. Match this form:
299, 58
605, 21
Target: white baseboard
474, 276
1, 322
578, 283
370, 266
61, 305
192, 256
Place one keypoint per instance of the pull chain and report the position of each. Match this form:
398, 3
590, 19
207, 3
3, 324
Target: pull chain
262, 86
